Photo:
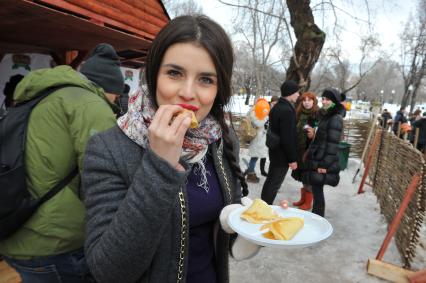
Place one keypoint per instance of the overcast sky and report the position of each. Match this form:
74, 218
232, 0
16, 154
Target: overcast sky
389, 16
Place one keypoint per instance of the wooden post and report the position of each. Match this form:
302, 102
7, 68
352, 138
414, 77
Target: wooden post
369, 158
416, 137
397, 219
398, 133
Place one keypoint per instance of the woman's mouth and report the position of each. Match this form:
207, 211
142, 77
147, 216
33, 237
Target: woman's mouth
188, 106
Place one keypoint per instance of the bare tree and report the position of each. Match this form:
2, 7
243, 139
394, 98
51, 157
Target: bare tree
182, 7
262, 30
347, 80
413, 55
383, 83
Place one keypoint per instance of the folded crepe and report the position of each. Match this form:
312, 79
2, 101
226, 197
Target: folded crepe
259, 212
283, 229
194, 122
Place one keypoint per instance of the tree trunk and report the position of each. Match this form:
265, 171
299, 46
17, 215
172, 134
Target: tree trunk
310, 39
405, 97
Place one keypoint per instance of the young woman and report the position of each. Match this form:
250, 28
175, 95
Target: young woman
153, 187
306, 119
322, 162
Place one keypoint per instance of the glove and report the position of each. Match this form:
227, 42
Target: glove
241, 248
223, 217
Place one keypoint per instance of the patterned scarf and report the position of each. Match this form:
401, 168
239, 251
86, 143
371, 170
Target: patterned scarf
139, 116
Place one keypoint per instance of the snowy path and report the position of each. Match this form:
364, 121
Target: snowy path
359, 230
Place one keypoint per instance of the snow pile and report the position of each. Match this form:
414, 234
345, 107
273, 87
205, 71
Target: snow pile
359, 230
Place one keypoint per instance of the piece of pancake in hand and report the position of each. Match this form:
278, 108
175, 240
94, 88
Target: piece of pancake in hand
283, 229
259, 212
194, 122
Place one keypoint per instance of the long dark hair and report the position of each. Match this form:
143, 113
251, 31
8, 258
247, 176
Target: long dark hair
211, 36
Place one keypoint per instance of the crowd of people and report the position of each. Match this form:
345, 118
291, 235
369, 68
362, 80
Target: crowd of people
308, 144
406, 125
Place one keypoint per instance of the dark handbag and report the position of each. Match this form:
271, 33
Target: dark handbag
272, 139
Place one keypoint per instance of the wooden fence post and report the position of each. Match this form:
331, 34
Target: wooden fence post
369, 159
416, 137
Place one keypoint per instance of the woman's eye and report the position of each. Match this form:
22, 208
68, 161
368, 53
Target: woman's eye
173, 73
206, 80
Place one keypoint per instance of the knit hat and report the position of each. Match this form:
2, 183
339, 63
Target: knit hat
103, 68
288, 88
332, 94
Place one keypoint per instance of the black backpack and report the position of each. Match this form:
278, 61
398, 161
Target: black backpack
16, 203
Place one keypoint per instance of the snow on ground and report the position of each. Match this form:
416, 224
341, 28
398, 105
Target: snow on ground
359, 230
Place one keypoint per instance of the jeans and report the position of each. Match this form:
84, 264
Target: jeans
64, 268
251, 165
273, 183
319, 201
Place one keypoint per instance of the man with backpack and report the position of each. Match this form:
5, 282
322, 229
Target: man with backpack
48, 246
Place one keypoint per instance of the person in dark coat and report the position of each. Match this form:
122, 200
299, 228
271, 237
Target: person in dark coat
322, 161
421, 124
282, 121
385, 117
399, 119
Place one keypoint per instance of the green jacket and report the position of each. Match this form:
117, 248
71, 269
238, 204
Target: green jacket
58, 130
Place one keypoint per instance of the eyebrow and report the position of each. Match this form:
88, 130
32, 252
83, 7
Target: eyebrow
177, 67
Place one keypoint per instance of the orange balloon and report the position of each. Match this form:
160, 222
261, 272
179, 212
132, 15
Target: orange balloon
261, 108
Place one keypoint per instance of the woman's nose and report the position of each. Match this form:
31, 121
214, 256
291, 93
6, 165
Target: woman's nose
187, 90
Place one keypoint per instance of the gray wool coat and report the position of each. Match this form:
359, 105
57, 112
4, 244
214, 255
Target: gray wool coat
137, 212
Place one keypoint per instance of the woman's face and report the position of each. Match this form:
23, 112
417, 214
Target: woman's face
187, 75
326, 102
308, 103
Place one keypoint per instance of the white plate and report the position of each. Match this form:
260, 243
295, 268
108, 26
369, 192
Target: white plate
315, 229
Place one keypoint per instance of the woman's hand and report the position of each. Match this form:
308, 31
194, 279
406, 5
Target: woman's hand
166, 134
310, 133
322, 170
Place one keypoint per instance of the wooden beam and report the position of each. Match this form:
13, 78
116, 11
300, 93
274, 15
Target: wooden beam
104, 18
418, 276
388, 271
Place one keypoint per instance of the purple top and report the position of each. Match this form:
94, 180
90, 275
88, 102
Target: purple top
204, 210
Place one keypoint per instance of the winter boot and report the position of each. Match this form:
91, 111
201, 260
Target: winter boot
302, 197
252, 178
262, 167
308, 201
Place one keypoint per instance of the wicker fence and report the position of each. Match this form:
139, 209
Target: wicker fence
394, 164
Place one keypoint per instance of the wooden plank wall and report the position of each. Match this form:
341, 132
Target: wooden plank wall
146, 16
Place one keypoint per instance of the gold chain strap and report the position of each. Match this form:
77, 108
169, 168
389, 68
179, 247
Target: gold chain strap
219, 155
182, 237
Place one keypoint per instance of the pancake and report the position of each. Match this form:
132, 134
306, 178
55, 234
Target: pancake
283, 229
259, 212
